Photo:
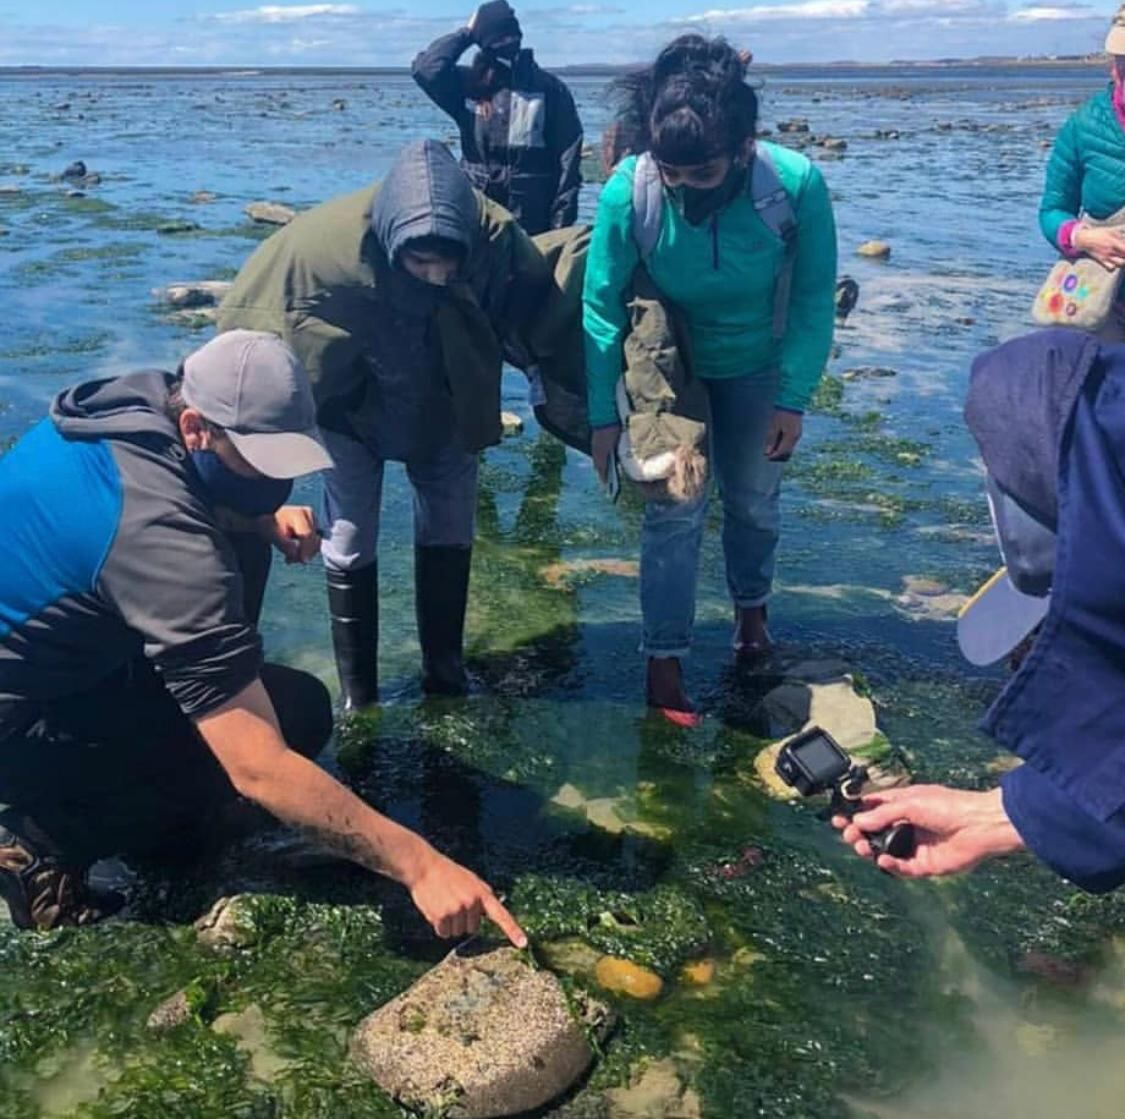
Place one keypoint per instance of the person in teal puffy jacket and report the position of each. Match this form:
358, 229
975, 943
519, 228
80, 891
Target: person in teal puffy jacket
1086, 176
716, 262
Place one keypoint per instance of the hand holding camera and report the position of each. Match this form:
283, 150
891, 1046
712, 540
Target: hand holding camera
814, 762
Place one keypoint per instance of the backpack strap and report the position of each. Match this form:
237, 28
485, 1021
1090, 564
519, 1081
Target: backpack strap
773, 205
648, 204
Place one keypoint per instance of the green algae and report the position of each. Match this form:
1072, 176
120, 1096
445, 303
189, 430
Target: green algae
659, 929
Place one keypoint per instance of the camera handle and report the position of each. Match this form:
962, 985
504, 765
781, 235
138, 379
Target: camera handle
847, 799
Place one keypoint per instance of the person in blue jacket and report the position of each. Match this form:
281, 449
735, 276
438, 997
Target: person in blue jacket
134, 705
1048, 413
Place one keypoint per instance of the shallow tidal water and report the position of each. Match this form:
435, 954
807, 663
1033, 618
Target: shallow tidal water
837, 991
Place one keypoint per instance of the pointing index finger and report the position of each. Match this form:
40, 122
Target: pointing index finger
507, 923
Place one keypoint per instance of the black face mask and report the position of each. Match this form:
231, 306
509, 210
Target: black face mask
698, 205
505, 55
252, 497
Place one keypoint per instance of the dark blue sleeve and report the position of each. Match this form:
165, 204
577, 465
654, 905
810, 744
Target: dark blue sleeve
1088, 851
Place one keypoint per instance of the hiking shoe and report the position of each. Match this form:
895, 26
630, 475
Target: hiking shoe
43, 894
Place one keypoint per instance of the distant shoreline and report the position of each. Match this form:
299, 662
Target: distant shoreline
592, 69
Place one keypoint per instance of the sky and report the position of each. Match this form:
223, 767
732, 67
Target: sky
374, 33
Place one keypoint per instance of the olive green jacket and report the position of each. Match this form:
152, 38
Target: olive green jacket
316, 283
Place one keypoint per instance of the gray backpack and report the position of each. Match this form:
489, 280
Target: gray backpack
770, 198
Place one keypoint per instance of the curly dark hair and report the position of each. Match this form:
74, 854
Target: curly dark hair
690, 106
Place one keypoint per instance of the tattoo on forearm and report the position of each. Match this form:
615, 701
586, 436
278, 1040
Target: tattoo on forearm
344, 839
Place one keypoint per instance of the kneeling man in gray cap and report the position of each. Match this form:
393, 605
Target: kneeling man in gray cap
134, 704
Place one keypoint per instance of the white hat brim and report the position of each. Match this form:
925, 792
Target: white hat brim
997, 618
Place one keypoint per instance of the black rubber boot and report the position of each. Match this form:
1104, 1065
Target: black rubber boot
353, 607
441, 592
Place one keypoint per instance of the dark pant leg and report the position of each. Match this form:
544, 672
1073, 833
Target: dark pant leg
303, 706
120, 770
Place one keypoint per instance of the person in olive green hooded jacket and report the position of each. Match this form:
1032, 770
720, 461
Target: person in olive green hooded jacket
398, 299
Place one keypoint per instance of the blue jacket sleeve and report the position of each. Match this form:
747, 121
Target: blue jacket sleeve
610, 263
807, 344
1076, 845
1062, 190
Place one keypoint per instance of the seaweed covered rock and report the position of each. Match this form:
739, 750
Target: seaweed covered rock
480, 1036
658, 929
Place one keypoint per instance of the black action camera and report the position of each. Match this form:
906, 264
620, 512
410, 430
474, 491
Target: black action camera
814, 762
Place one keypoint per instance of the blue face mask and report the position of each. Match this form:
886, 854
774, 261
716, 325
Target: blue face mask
252, 497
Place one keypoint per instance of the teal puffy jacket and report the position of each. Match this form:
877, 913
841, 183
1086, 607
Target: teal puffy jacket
1086, 172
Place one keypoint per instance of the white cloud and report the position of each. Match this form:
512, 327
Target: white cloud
284, 13
804, 9
1051, 15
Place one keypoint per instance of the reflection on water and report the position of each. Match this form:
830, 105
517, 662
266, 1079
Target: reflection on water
916, 1001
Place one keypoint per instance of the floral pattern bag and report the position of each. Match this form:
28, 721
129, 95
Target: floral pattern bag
1081, 292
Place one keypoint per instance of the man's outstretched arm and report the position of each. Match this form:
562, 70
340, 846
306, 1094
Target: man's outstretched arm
245, 738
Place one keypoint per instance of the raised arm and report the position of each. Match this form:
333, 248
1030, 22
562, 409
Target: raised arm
440, 78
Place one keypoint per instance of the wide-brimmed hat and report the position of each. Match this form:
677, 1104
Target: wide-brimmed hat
1016, 598
1115, 38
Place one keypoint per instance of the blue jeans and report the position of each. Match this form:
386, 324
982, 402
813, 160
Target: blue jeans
445, 501
749, 484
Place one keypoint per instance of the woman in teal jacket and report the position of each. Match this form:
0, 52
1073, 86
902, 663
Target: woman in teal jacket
1086, 176
716, 260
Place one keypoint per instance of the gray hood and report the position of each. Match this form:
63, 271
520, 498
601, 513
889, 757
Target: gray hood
119, 406
426, 194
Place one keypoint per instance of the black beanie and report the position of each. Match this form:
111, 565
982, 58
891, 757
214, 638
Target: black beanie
495, 21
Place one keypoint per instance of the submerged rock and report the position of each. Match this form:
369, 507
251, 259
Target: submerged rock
924, 599
797, 124
172, 1012
75, 170
698, 973
227, 924
479, 1036
877, 250
203, 197
627, 978
558, 574
177, 225
196, 293
868, 373
655, 1092
270, 213
835, 706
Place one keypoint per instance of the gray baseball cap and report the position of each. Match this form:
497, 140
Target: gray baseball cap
253, 386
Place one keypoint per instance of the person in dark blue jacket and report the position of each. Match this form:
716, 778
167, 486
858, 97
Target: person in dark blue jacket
521, 139
1048, 413
134, 704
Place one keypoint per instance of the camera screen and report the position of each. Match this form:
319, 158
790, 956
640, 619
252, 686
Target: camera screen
822, 758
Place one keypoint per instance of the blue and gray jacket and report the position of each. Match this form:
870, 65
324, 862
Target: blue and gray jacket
113, 553
1048, 412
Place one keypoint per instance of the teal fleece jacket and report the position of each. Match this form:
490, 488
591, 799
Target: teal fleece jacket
721, 277
1086, 171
